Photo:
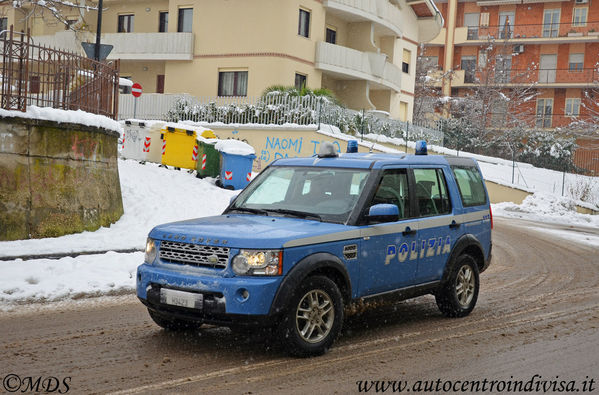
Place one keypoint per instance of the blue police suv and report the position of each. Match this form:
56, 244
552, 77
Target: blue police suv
309, 237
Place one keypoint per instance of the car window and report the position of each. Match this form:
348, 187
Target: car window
431, 192
328, 193
393, 189
470, 184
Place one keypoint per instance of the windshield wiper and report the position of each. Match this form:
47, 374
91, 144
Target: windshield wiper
295, 213
250, 210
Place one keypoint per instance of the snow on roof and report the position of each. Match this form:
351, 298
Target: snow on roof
64, 116
234, 147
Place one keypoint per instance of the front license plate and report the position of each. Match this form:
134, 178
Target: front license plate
181, 298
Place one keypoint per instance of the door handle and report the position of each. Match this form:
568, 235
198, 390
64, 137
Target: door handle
408, 231
454, 225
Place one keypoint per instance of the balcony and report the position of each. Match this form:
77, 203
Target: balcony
150, 46
553, 33
128, 46
384, 14
540, 78
349, 64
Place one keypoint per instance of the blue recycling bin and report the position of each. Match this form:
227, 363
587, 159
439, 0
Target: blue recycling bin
236, 170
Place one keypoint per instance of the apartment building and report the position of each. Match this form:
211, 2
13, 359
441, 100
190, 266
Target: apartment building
551, 46
363, 50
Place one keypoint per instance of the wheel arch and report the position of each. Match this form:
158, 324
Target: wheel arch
467, 244
316, 264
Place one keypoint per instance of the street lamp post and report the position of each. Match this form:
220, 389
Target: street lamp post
98, 32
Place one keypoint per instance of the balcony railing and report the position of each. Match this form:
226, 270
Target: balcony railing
358, 65
379, 11
574, 76
527, 31
150, 46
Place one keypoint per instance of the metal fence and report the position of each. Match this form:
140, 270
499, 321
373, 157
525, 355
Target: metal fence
277, 109
36, 75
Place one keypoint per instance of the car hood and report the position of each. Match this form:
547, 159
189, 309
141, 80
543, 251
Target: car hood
244, 231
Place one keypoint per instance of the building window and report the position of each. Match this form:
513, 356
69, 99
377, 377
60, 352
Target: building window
506, 24
185, 20
471, 22
468, 64
331, 36
572, 107
3, 27
575, 62
503, 69
160, 83
125, 24
579, 17
303, 28
405, 64
300, 81
544, 111
163, 22
429, 62
403, 111
232, 83
551, 22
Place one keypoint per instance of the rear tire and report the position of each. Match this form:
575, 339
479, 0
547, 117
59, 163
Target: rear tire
313, 318
457, 296
172, 324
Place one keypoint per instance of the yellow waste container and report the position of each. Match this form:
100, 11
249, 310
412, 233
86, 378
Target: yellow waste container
179, 147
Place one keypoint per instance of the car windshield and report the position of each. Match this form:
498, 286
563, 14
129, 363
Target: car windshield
324, 194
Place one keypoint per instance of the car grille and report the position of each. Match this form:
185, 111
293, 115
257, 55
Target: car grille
193, 254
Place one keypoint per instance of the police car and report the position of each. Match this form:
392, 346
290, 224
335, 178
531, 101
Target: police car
309, 237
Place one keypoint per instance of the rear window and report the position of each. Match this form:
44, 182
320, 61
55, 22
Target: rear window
470, 184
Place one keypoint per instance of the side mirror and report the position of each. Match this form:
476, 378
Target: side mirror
383, 213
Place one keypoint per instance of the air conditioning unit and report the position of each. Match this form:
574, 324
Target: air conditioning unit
518, 48
581, 1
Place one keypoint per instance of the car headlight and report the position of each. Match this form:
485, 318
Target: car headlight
150, 251
258, 262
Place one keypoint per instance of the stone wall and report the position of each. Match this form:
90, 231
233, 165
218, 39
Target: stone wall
56, 178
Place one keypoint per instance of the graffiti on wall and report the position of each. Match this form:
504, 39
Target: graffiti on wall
290, 147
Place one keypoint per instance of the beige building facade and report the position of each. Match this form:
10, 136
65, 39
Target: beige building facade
363, 50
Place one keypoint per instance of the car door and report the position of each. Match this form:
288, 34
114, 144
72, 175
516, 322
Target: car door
437, 228
389, 259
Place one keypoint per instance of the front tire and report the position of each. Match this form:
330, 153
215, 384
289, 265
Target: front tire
459, 293
313, 318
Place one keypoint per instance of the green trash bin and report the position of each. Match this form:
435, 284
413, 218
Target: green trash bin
208, 158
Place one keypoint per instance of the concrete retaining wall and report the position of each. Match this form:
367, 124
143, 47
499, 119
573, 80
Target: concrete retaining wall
56, 179
279, 142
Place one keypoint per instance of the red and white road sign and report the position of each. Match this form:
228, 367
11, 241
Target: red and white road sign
147, 143
163, 146
136, 90
248, 177
228, 175
204, 162
194, 155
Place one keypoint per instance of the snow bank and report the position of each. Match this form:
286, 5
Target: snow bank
546, 208
65, 116
49, 280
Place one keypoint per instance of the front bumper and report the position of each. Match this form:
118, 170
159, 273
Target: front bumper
226, 300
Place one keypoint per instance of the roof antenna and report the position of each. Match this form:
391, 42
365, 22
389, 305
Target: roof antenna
371, 148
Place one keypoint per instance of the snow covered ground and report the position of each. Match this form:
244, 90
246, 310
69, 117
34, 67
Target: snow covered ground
154, 195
